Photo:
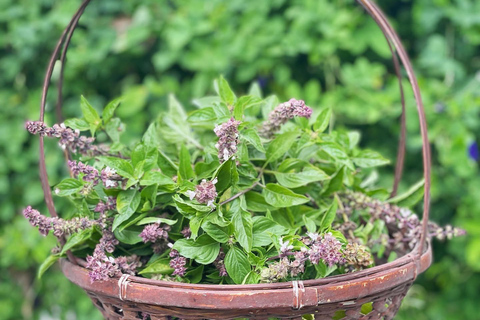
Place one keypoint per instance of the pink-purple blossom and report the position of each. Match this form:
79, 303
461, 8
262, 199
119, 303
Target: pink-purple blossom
227, 134
205, 192
178, 263
282, 113
327, 248
90, 174
154, 232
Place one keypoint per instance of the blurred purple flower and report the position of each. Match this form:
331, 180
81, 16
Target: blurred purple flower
473, 151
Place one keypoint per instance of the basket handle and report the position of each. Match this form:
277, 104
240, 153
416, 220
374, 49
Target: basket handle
395, 47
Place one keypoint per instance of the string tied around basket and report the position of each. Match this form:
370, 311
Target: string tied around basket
122, 286
298, 291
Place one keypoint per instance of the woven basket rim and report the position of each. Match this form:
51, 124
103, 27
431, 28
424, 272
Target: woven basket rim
342, 289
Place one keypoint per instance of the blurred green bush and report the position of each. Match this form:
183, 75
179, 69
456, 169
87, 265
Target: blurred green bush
329, 53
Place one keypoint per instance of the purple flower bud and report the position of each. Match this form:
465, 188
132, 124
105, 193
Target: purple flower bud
328, 249
219, 263
36, 127
227, 134
90, 174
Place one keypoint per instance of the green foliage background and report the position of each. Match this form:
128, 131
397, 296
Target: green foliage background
328, 53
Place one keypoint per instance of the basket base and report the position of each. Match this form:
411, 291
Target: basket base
379, 308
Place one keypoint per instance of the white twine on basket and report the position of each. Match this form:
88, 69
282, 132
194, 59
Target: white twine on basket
122, 286
298, 290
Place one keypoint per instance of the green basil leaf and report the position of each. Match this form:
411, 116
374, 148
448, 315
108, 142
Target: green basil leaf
159, 266
309, 224
298, 179
237, 265
253, 138
225, 92
205, 117
281, 197
76, 239
151, 220
410, 197
204, 250
329, 216
218, 233
185, 169
121, 166
262, 226
67, 187
244, 103
127, 203
109, 110
256, 202
243, 228
90, 115
49, 261
280, 145
336, 183
195, 275
323, 120
226, 175
369, 158
112, 129
77, 124
128, 236
156, 177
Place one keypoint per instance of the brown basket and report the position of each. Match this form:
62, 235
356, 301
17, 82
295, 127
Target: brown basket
384, 286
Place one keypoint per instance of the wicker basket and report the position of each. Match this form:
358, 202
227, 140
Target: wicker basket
382, 287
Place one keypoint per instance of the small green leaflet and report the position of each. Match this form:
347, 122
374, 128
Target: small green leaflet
323, 120
411, 196
76, 239
159, 266
242, 224
67, 187
90, 115
76, 123
218, 233
281, 197
369, 158
185, 169
225, 92
109, 110
252, 137
121, 166
156, 177
329, 216
237, 265
49, 261
262, 226
150, 220
298, 179
127, 203
244, 103
204, 250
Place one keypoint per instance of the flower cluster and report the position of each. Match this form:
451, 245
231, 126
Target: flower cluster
59, 226
227, 134
282, 113
357, 256
326, 248
205, 192
178, 263
403, 224
102, 267
90, 174
154, 232
317, 248
68, 138
109, 204
110, 178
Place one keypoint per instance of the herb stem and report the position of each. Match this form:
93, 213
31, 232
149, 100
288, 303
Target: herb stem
241, 193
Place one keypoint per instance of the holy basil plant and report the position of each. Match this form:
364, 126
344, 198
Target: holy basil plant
240, 191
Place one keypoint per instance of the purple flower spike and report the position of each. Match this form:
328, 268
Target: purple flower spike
227, 134
282, 113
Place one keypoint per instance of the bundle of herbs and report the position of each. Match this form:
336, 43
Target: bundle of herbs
240, 191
